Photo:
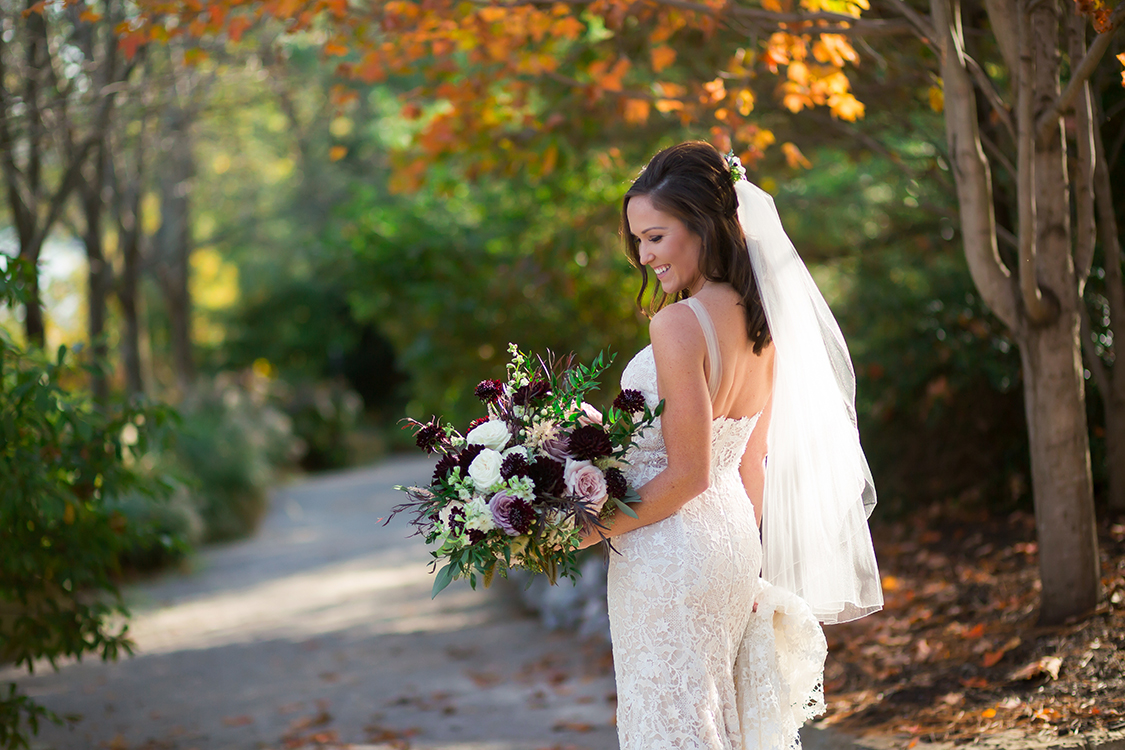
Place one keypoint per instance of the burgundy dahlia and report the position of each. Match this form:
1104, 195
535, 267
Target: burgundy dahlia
489, 390
528, 394
615, 483
456, 521
547, 474
476, 423
476, 536
444, 465
429, 436
513, 465
589, 442
630, 401
512, 514
467, 456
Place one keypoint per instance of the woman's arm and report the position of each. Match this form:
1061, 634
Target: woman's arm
752, 469
679, 349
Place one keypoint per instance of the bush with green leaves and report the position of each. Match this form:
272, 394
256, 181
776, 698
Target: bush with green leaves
231, 442
64, 462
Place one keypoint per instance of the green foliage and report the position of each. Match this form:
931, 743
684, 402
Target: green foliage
63, 464
938, 377
322, 415
451, 279
231, 443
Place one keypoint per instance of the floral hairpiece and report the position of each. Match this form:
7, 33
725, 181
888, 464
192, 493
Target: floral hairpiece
734, 164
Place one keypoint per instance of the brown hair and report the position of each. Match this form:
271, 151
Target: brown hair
692, 182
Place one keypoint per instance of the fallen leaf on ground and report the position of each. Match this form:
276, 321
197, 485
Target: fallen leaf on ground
1048, 665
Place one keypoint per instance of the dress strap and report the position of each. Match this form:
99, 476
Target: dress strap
712, 344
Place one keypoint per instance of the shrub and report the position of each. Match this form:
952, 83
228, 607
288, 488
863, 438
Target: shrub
63, 463
230, 445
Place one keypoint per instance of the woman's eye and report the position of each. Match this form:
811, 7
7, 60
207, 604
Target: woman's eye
656, 238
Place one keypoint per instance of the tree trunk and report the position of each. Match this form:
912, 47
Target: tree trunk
33, 323
1052, 370
127, 289
1054, 387
98, 275
1113, 396
173, 242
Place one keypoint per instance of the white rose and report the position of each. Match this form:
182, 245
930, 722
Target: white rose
516, 449
492, 434
485, 469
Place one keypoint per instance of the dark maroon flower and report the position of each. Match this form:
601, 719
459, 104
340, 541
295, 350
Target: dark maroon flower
526, 395
429, 436
444, 465
615, 483
476, 423
476, 536
630, 401
547, 474
467, 456
514, 465
589, 442
512, 514
456, 521
489, 390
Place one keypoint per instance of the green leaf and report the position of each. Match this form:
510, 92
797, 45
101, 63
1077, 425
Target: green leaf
624, 508
443, 579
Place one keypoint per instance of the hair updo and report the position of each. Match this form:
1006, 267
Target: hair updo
692, 182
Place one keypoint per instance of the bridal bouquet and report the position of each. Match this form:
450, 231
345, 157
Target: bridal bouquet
522, 485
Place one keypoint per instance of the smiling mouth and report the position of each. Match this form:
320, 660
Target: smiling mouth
661, 270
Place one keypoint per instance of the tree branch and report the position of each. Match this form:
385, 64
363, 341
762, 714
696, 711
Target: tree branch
970, 168
984, 83
1038, 311
1086, 234
1080, 74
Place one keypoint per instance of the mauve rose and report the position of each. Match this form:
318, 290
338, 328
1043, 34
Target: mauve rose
555, 447
512, 514
586, 481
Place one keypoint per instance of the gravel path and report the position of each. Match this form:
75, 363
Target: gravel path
320, 632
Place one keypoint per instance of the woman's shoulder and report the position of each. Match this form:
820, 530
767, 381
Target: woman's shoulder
676, 321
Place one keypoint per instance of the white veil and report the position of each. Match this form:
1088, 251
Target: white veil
818, 487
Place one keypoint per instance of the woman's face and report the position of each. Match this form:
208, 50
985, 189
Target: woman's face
666, 245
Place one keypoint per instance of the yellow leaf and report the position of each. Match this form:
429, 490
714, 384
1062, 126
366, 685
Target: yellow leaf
847, 107
799, 73
937, 98
637, 111
662, 57
668, 105
717, 89
336, 153
744, 100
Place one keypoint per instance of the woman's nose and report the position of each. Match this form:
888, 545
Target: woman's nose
646, 256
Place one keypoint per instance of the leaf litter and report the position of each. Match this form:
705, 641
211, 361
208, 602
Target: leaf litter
958, 653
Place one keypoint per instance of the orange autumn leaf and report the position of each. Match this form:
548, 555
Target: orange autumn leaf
975, 632
662, 57
89, 16
237, 27
795, 158
637, 111
336, 153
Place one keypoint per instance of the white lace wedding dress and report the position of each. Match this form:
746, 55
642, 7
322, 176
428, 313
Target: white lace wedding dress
696, 667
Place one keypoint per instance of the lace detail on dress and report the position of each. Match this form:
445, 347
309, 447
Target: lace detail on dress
696, 667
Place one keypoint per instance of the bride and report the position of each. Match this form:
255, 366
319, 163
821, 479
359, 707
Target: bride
752, 525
